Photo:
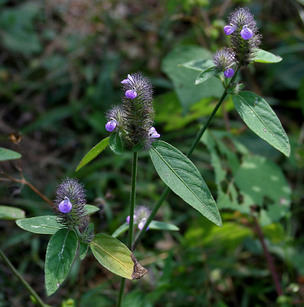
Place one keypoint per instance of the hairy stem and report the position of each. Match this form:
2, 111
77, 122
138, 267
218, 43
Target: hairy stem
131, 223
193, 146
25, 283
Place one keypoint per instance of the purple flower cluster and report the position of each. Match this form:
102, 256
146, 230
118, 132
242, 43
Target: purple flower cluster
244, 37
134, 118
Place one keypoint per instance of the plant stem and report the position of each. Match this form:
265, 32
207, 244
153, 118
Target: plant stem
132, 198
269, 259
131, 223
25, 283
121, 291
193, 146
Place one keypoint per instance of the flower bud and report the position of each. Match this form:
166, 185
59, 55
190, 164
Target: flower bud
65, 206
228, 73
131, 94
246, 33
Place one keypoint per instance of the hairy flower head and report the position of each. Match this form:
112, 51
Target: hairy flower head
134, 118
243, 33
70, 202
224, 59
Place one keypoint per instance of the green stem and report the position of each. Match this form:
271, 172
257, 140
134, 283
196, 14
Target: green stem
132, 198
121, 291
131, 223
25, 283
193, 146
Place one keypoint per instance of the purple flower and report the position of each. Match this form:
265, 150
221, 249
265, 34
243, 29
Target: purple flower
128, 80
228, 73
246, 33
229, 29
142, 223
65, 206
128, 218
131, 94
111, 125
153, 133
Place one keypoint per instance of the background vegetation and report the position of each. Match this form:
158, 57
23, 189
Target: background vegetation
61, 63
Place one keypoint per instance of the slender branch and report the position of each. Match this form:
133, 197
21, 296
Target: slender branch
131, 223
23, 181
269, 259
25, 283
193, 146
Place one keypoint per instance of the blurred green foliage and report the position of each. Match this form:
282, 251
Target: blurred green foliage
61, 63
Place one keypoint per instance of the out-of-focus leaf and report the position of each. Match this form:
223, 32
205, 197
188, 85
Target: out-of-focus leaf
7, 154
90, 209
17, 25
183, 78
198, 65
11, 213
262, 183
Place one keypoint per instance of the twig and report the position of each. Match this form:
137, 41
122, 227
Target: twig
269, 259
23, 181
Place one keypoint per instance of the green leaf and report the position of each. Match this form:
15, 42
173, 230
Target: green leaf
262, 120
263, 56
11, 213
113, 255
157, 225
200, 65
90, 209
183, 178
121, 229
183, 78
7, 154
83, 249
93, 153
206, 74
115, 143
60, 254
46, 224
